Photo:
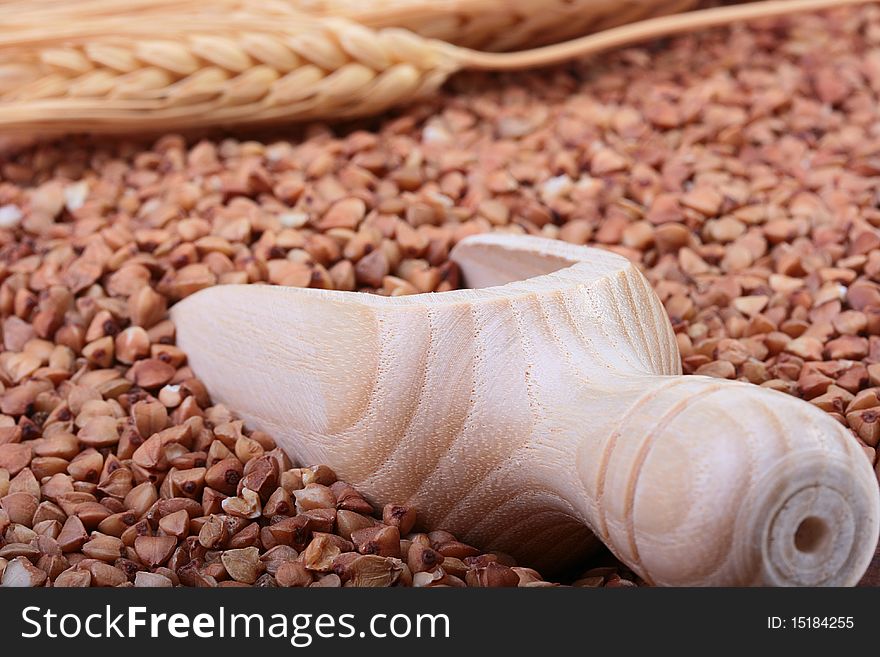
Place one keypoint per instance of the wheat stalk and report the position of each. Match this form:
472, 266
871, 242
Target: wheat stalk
115, 74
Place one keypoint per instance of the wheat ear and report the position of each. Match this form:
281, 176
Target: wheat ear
493, 25
114, 74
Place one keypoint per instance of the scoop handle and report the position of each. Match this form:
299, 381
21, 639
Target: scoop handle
702, 481
689, 480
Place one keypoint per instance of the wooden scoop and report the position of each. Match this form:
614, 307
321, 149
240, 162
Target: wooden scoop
539, 411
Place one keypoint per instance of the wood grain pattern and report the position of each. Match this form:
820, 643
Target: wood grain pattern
539, 411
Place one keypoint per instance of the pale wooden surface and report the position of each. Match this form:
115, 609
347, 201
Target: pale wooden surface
540, 411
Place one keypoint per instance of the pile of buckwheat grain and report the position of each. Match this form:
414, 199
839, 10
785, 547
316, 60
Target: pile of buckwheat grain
739, 167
